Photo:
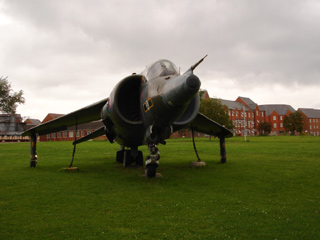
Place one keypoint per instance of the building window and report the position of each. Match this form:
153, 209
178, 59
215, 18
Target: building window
281, 125
281, 118
65, 134
274, 125
274, 118
59, 135
53, 135
310, 120
257, 113
262, 114
71, 134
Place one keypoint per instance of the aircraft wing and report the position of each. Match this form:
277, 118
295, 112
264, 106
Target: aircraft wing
203, 124
83, 115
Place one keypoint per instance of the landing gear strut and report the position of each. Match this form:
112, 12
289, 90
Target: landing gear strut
33, 150
152, 161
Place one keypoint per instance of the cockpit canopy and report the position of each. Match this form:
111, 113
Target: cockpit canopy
160, 68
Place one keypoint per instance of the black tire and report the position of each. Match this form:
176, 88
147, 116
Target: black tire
139, 159
127, 158
151, 170
120, 156
33, 163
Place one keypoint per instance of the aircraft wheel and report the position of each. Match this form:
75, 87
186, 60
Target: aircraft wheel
127, 158
33, 163
139, 159
151, 170
120, 156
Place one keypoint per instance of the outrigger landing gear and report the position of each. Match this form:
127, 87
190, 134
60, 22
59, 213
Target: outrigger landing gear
152, 161
127, 157
33, 150
223, 152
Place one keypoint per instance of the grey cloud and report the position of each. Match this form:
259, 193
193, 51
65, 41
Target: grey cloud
256, 42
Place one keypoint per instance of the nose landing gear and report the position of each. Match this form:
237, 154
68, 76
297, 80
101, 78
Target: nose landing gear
152, 161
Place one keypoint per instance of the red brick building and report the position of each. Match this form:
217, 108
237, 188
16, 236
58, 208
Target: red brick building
275, 114
247, 115
242, 117
311, 121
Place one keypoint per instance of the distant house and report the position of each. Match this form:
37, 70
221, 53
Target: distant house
246, 115
275, 114
11, 127
311, 120
30, 123
259, 115
204, 94
70, 133
241, 116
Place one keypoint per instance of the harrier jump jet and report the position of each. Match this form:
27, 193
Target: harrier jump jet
142, 109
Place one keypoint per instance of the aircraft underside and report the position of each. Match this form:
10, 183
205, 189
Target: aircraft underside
132, 156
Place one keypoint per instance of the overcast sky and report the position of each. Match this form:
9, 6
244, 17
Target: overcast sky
65, 55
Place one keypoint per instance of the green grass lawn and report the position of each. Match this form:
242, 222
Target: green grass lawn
268, 189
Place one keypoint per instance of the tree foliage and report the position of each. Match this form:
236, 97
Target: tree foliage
264, 128
293, 123
215, 110
9, 100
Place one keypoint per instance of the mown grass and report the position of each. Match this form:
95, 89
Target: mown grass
268, 189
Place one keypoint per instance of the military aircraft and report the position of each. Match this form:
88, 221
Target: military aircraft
142, 109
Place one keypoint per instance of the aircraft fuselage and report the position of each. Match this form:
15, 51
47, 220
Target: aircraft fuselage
152, 105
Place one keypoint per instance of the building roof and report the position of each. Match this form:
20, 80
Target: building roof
281, 109
51, 116
55, 115
232, 105
31, 121
249, 102
310, 112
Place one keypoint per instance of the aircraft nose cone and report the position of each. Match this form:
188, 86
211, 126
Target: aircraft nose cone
193, 82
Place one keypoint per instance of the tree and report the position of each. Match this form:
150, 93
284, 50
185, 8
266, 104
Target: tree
293, 123
214, 109
9, 100
264, 128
